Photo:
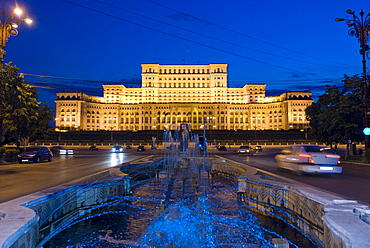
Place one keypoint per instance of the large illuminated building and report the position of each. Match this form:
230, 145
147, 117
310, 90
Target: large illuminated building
171, 95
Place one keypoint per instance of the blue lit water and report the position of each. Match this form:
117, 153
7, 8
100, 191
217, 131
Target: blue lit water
216, 220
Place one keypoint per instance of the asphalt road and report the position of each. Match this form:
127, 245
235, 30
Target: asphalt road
21, 179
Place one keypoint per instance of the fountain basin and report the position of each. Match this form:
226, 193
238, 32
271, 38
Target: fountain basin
27, 220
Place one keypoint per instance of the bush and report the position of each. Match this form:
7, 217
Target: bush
2, 151
367, 155
11, 155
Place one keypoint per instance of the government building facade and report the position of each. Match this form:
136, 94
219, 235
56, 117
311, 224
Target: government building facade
171, 95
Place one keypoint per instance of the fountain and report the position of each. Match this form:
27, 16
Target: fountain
178, 202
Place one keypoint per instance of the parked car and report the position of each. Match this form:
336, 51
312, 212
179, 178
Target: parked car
309, 159
61, 150
222, 148
258, 148
93, 148
117, 149
35, 154
246, 150
141, 148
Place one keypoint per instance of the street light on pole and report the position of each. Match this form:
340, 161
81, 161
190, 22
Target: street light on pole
255, 126
360, 28
8, 27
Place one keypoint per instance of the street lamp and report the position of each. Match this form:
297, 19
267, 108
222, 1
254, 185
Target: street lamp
360, 27
255, 126
8, 27
210, 121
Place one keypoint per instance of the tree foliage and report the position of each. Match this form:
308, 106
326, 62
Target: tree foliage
338, 115
23, 116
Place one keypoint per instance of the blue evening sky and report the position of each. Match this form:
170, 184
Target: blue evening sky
289, 45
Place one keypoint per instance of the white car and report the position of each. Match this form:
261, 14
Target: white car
309, 159
245, 150
61, 150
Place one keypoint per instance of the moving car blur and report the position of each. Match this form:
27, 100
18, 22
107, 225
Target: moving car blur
61, 150
309, 159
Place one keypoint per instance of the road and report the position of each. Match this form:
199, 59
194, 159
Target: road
21, 179
352, 184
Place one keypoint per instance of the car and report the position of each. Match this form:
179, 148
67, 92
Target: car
93, 148
141, 148
128, 147
311, 159
61, 150
117, 149
258, 148
35, 154
222, 148
246, 150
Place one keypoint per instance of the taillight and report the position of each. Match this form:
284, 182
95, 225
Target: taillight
308, 156
332, 156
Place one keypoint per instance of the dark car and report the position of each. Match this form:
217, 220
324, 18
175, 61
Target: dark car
140, 148
128, 147
117, 149
35, 154
93, 148
258, 148
222, 148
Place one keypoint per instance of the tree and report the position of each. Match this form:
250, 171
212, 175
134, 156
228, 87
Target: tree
338, 115
23, 116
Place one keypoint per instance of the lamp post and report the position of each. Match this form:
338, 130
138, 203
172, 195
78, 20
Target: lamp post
360, 28
255, 126
210, 121
8, 27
